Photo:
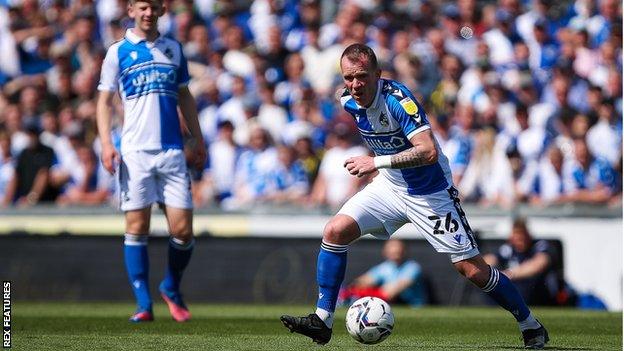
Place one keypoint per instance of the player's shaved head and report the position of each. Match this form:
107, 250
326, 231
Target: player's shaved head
357, 52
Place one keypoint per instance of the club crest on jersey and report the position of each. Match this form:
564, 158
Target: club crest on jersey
168, 53
383, 119
134, 55
409, 106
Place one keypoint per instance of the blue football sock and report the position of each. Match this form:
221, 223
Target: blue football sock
330, 272
504, 292
137, 266
179, 257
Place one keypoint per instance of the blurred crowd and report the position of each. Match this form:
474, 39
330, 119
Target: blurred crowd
525, 97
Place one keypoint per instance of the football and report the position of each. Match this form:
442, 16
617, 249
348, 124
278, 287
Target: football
370, 320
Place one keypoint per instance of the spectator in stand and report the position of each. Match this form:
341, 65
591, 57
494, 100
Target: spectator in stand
236, 60
30, 184
7, 162
334, 185
321, 67
489, 176
588, 179
252, 170
529, 264
500, 38
218, 180
463, 48
547, 186
455, 145
288, 182
12, 118
291, 90
275, 54
92, 186
309, 158
398, 279
605, 138
198, 48
66, 147
271, 116
233, 109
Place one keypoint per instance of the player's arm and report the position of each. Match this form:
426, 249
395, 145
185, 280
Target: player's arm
422, 153
394, 289
11, 190
491, 259
104, 113
599, 195
188, 109
365, 280
39, 185
529, 268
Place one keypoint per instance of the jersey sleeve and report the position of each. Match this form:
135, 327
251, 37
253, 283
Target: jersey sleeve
410, 271
110, 71
503, 255
542, 246
183, 73
606, 174
377, 273
407, 111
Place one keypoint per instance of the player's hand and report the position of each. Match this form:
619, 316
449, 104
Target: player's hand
360, 166
197, 156
109, 157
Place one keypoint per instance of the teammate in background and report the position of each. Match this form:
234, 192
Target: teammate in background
414, 185
397, 279
151, 75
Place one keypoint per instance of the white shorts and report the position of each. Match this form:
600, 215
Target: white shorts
381, 210
146, 177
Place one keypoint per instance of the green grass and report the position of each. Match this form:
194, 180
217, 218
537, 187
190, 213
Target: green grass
104, 326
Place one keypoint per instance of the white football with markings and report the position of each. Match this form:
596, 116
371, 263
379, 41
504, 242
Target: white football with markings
370, 320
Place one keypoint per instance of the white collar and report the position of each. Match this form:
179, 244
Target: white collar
135, 39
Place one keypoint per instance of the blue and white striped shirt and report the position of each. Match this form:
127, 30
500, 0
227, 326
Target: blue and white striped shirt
148, 76
387, 126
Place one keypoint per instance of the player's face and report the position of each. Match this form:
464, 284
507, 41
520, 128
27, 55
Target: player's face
394, 251
520, 240
360, 80
145, 15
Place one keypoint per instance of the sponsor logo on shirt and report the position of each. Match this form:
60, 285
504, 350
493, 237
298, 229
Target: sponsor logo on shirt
385, 145
154, 76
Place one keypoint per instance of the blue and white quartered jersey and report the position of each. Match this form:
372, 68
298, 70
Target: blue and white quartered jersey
148, 76
387, 126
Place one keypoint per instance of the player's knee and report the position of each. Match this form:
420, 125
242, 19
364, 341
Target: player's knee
137, 227
338, 232
182, 231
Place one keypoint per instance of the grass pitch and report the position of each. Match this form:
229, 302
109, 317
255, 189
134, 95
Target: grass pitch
104, 326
